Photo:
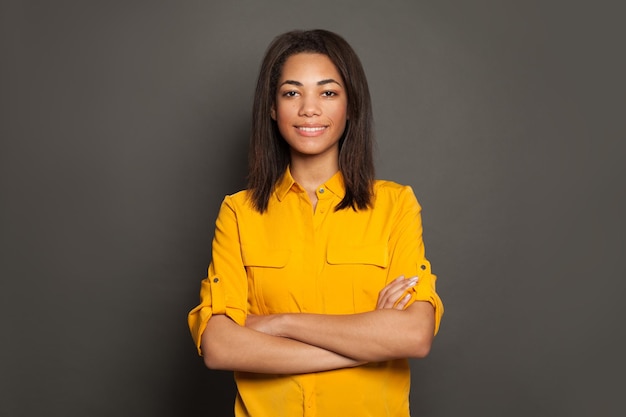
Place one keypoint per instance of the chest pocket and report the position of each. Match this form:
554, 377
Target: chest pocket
359, 273
269, 287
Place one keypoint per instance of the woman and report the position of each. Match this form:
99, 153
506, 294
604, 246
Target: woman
318, 289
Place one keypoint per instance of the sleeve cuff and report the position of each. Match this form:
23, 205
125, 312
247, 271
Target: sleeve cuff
213, 303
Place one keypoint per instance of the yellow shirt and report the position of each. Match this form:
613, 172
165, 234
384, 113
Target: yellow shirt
291, 259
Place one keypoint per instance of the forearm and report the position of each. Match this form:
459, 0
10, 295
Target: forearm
378, 335
228, 346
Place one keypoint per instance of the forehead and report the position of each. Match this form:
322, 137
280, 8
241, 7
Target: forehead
308, 65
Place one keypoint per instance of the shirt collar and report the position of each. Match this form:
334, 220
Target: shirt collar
285, 184
334, 184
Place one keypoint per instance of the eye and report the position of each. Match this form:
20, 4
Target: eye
290, 94
329, 94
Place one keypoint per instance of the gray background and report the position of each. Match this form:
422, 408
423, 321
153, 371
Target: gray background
124, 123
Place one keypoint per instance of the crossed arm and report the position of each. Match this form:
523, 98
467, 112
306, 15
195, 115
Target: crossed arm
303, 343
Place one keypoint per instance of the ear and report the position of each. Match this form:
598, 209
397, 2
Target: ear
273, 113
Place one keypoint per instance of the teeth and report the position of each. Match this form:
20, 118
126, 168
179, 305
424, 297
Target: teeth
311, 129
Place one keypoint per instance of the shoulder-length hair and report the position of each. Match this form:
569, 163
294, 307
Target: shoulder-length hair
268, 156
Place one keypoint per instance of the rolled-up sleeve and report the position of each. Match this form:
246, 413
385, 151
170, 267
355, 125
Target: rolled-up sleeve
425, 290
408, 253
225, 290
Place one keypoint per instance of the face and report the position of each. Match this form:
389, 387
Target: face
311, 105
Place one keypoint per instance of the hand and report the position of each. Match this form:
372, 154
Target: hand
264, 324
395, 295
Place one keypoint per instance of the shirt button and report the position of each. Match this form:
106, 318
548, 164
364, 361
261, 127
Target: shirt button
321, 191
216, 280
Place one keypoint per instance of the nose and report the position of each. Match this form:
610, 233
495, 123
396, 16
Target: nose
310, 107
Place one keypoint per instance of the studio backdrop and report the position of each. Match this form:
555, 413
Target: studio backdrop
124, 124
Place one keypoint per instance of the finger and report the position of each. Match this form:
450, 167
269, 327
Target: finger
403, 302
391, 285
398, 288
394, 292
391, 298
398, 284
401, 283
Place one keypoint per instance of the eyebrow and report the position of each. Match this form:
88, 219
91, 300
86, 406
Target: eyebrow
322, 82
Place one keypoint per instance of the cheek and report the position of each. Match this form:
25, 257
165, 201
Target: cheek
340, 115
283, 119
283, 112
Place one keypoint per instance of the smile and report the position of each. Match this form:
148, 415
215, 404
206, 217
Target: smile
311, 129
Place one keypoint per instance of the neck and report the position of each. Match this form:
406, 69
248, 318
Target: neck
310, 173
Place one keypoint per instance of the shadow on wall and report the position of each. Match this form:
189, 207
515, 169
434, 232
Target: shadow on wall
206, 392
194, 390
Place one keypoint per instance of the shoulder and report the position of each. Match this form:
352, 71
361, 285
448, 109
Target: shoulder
239, 196
390, 192
392, 189
239, 201
389, 186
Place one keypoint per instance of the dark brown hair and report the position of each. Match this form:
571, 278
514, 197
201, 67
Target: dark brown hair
269, 153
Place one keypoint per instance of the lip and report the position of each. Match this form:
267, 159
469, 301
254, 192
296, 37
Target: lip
311, 130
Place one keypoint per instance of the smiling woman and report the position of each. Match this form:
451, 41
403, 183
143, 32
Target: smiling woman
318, 290
311, 111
